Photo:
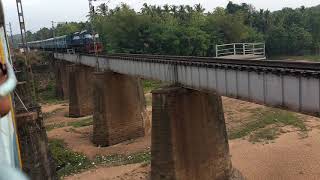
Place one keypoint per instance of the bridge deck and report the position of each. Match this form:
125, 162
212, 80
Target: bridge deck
244, 57
293, 85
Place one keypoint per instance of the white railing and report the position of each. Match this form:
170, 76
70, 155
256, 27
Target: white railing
257, 49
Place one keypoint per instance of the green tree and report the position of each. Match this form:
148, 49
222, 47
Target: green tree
189, 30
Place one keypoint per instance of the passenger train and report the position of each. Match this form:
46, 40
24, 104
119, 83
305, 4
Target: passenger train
81, 42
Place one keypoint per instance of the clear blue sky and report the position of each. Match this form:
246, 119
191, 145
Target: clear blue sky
39, 13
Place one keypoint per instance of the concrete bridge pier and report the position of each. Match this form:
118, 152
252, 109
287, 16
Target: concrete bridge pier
189, 138
80, 90
37, 161
119, 105
61, 69
58, 74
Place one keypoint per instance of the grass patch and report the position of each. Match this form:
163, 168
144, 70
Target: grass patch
266, 134
69, 162
264, 117
149, 85
76, 124
117, 159
81, 123
53, 126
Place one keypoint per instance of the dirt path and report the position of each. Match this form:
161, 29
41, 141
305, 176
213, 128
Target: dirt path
50, 108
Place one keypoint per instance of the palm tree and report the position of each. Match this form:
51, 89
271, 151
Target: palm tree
174, 10
198, 8
103, 9
182, 9
146, 9
189, 9
158, 10
166, 8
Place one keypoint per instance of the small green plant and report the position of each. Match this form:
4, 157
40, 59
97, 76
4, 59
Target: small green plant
69, 162
81, 123
264, 117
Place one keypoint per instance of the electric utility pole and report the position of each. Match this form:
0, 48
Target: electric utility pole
54, 36
92, 14
30, 92
11, 44
91, 7
22, 26
11, 34
32, 135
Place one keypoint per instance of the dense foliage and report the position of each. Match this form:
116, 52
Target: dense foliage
186, 30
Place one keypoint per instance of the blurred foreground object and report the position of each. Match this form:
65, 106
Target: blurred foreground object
9, 146
4, 101
7, 173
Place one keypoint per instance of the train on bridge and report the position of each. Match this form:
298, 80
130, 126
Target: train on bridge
80, 42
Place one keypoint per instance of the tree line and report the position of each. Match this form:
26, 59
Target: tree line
191, 30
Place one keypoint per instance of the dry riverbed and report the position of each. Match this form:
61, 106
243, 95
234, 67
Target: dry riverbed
265, 143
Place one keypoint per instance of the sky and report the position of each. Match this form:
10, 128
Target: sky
40, 13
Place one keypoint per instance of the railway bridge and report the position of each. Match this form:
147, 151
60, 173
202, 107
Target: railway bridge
189, 139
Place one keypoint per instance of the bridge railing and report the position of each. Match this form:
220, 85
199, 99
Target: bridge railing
256, 49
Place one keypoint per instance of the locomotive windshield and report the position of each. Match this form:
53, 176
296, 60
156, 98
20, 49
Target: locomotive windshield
88, 36
76, 37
